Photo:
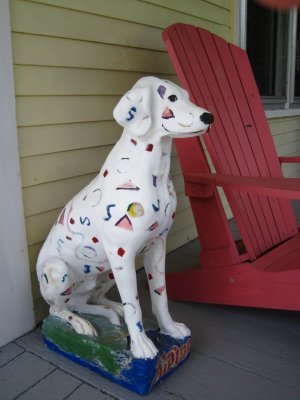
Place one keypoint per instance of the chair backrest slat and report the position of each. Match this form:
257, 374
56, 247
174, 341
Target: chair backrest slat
289, 224
250, 149
211, 70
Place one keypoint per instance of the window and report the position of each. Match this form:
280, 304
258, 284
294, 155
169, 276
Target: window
272, 41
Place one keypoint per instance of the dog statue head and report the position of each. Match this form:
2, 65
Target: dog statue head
160, 107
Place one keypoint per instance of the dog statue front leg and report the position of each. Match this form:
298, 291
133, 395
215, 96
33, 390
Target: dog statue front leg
154, 262
123, 268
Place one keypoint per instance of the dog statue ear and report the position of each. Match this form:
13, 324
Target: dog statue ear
133, 110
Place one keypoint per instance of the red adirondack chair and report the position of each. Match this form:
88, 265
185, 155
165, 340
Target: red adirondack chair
265, 270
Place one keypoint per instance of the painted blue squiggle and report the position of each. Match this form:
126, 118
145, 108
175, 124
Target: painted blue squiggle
85, 221
140, 326
154, 180
108, 212
86, 269
156, 208
130, 114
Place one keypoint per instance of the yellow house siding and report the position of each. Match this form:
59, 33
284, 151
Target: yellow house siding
73, 59
286, 135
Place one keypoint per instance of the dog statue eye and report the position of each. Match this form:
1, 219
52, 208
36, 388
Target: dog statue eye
173, 98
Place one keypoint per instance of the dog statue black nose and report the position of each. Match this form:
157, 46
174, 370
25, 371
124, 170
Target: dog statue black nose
207, 118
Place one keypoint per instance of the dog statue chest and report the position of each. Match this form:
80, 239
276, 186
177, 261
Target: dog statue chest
138, 196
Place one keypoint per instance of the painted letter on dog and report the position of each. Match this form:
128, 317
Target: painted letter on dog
126, 210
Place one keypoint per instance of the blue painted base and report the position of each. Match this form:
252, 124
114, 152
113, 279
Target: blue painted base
111, 357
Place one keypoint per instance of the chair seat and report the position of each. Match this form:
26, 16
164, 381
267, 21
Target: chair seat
272, 281
285, 257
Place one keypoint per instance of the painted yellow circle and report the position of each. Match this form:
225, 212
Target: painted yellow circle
135, 210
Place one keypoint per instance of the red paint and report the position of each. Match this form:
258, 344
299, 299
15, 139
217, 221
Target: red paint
218, 77
289, 159
133, 141
121, 252
95, 240
105, 173
149, 147
67, 292
62, 217
160, 290
281, 187
100, 269
124, 223
150, 277
269, 282
174, 215
280, 4
128, 185
153, 226
72, 221
167, 113
170, 360
111, 275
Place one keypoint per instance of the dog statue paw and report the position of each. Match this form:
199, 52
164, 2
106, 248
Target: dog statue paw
176, 329
143, 347
126, 210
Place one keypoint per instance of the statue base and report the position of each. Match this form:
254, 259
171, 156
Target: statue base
108, 354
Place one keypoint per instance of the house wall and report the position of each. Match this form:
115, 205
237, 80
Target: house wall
286, 134
72, 61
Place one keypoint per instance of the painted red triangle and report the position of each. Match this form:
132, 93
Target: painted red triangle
124, 223
128, 185
62, 217
167, 113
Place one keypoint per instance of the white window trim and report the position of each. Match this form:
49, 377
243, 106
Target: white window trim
291, 112
240, 38
16, 304
240, 18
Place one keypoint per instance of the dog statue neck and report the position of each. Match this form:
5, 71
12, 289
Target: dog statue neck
149, 153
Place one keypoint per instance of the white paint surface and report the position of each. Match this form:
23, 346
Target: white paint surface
16, 306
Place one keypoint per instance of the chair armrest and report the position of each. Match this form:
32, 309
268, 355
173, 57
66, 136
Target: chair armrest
285, 188
287, 159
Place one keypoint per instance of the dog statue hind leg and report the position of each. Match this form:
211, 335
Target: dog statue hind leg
104, 284
90, 298
56, 288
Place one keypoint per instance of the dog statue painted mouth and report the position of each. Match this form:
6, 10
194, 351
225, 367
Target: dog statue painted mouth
180, 134
128, 208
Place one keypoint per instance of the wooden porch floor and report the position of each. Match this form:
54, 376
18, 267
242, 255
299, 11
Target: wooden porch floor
237, 353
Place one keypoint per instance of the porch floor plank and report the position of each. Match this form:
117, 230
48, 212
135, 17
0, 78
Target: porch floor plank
86, 392
58, 385
9, 352
20, 374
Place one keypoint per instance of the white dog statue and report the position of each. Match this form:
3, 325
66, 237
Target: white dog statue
126, 210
